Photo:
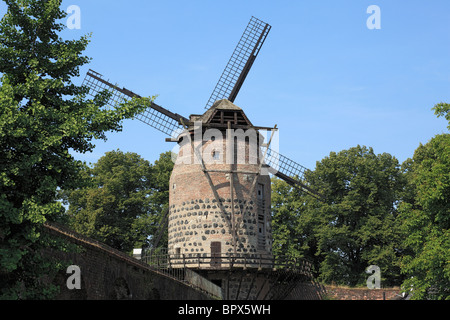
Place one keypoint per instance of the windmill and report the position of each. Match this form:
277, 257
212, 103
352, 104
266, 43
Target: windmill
227, 87
219, 207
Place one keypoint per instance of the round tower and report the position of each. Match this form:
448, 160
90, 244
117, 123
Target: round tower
219, 198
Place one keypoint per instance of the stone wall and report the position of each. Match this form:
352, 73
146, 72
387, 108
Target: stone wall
193, 225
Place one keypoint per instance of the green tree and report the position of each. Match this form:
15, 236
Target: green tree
159, 199
123, 204
425, 217
354, 226
43, 115
443, 110
358, 228
293, 222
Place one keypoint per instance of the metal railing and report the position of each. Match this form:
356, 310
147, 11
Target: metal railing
164, 261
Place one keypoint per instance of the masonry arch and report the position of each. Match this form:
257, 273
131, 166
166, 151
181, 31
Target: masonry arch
120, 290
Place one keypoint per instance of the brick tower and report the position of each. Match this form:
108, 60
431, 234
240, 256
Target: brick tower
219, 194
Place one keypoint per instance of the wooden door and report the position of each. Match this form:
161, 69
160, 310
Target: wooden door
216, 251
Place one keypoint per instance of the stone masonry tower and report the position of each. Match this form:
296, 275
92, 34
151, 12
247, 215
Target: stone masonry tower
219, 194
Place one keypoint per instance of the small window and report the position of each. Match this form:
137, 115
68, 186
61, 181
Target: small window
216, 155
260, 191
177, 252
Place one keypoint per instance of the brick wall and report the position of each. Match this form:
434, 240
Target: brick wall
108, 274
343, 293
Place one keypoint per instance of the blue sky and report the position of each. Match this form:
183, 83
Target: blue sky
322, 76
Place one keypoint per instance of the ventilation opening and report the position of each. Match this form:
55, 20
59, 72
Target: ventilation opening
235, 117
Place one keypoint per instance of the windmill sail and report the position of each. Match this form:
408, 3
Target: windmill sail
288, 170
169, 122
155, 116
240, 62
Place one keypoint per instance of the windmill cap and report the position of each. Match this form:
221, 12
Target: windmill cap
220, 105
220, 114
225, 104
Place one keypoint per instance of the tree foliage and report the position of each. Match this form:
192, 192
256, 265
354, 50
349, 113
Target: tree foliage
43, 115
443, 110
123, 203
293, 221
425, 218
374, 212
354, 226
